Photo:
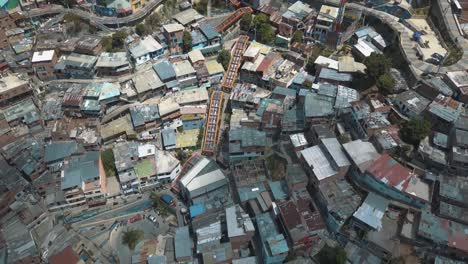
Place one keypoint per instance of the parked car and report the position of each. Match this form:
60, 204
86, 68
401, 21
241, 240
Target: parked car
152, 219
437, 56
433, 61
134, 219
167, 199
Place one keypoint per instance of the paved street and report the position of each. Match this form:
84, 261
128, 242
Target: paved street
407, 44
128, 209
101, 22
150, 230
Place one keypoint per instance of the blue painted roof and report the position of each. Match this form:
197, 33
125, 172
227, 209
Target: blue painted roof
209, 31
198, 38
279, 189
197, 209
109, 90
164, 70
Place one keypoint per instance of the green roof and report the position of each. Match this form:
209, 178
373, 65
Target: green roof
11, 4
144, 169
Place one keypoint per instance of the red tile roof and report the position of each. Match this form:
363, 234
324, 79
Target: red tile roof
310, 214
389, 171
289, 213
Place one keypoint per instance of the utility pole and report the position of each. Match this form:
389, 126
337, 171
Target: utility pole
208, 9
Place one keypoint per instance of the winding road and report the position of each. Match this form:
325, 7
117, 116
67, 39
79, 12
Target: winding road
407, 45
98, 21
404, 34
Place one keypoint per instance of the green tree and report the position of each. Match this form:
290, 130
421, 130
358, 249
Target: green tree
162, 208
65, 3
201, 133
266, 34
187, 41
297, 36
182, 155
310, 67
330, 255
386, 82
74, 23
414, 130
260, 20
377, 64
153, 21
108, 162
92, 30
397, 260
140, 29
201, 6
118, 40
344, 138
246, 22
224, 57
132, 237
107, 43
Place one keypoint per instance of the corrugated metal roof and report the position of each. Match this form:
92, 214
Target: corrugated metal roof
194, 171
334, 75
345, 96
319, 163
142, 114
248, 137
168, 137
209, 31
273, 241
187, 16
204, 180
145, 46
333, 147
238, 222
80, 169
318, 105
59, 150
361, 152
183, 243
372, 211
